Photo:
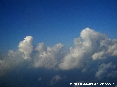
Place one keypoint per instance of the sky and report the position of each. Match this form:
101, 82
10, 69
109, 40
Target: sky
52, 43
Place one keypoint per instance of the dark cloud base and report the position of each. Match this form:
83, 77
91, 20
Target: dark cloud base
28, 77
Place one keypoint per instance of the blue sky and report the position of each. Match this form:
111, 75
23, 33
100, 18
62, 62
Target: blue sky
54, 21
51, 43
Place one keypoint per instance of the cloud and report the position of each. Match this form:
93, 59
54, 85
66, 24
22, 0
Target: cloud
10, 61
90, 46
107, 48
55, 79
113, 48
84, 47
48, 57
106, 70
84, 70
13, 59
26, 47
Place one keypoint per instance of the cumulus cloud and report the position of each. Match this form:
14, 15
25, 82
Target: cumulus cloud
10, 61
48, 57
106, 70
26, 47
84, 47
113, 48
91, 45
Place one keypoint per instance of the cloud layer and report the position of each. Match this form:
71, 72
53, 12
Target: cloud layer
90, 46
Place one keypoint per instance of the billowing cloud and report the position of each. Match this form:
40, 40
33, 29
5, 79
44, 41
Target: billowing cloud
26, 47
107, 48
10, 61
48, 57
84, 47
90, 46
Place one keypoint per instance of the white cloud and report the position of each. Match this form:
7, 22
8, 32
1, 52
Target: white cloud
84, 47
10, 61
105, 70
48, 57
90, 45
26, 47
99, 55
13, 59
107, 48
113, 49
41, 48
